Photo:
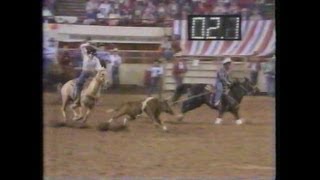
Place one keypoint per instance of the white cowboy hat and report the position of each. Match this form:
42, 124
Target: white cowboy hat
115, 49
226, 60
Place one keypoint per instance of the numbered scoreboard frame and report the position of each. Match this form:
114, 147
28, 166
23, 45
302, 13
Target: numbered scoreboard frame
214, 27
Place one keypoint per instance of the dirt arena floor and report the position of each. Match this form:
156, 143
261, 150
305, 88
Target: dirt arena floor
193, 148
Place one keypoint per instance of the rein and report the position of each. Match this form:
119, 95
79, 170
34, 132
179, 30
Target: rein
190, 97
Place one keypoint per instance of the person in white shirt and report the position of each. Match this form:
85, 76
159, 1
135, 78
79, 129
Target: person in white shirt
156, 72
166, 48
104, 9
115, 62
49, 54
90, 65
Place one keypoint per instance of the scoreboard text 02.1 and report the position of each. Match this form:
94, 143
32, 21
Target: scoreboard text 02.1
214, 27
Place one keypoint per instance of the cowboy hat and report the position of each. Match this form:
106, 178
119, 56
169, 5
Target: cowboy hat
226, 60
115, 49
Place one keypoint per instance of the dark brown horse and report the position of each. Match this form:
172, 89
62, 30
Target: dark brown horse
198, 95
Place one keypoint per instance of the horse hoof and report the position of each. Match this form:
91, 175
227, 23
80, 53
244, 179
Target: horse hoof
180, 117
164, 128
218, 121
76, 118
239, 121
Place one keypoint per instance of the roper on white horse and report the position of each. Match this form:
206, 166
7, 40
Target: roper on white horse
89, 96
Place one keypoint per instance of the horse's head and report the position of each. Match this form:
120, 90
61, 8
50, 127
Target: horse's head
101, 76
246, 86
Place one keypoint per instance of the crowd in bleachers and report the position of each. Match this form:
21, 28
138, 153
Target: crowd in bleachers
148, 12
123, 12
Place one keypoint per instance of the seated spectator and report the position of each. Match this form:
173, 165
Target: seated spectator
151, 7
220, 9
161, 11
114, 18
173, 9
90, 19
126, 6
167, 20
244, 14
91, 12
92, 8
148, 18
104, 9
187, 7
184, 14
139, 5
200, 8
246, 3
126, 17
234, 8
255, 15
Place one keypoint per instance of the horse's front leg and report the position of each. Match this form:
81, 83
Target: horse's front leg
77, 116
220, 115
88, 112
237, 117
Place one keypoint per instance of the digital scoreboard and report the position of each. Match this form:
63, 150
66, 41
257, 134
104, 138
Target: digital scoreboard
214, 27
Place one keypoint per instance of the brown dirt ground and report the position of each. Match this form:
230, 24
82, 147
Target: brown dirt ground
193, 148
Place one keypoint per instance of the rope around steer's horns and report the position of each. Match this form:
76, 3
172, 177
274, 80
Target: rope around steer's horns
190, 97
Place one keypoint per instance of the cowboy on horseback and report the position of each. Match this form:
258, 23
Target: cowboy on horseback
223, 83
90, 64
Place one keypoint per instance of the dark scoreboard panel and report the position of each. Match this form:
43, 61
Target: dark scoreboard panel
214, 27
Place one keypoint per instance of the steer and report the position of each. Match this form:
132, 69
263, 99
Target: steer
152, 106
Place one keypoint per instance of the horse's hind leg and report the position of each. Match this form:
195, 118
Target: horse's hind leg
63, 108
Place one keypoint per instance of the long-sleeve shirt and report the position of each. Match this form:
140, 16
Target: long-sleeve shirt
115, 60
179, 68
50, 52
89, 63
156, 71
223, 77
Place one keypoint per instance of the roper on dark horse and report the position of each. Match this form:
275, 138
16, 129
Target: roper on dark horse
229, 99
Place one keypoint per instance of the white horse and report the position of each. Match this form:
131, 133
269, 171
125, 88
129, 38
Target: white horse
89, 96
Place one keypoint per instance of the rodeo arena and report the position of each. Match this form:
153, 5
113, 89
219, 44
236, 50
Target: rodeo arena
127, 95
